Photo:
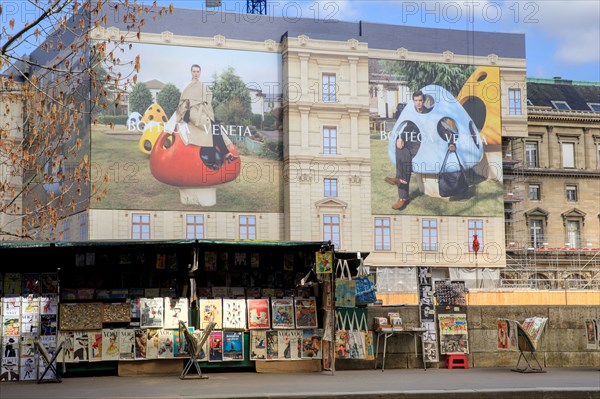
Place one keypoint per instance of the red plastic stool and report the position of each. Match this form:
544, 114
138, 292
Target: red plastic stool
457, 361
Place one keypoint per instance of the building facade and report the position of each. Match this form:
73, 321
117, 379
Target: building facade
553, 186
321, 173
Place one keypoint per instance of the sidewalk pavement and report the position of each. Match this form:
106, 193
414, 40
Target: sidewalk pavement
482, 383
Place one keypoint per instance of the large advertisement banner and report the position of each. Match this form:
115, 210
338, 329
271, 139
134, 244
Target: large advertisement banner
200, 130
435, 139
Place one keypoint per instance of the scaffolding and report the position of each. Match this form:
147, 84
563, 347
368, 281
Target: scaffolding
552, 265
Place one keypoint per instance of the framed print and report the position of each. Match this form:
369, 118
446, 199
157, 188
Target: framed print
215, 346
151, 312
306, 312
282, 313
258, 345
234, 314
211, 311
233, 345
258, 313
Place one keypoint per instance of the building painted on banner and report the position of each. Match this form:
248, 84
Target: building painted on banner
325, 141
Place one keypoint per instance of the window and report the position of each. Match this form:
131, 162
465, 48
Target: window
594, 106
329, 88
534, 192
66, 229
247, 227
140, 226
329, 140
573, 233
568, 155
571, 192
536, 233
383, 234
83, 226
561, 105
514, 101
531, 154
430, 234
330, 187
475, 227
194, 226
331, 229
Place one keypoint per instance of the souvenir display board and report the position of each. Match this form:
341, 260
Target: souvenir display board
454, 336
427, 314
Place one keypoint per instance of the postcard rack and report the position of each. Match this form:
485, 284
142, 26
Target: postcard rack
527, 354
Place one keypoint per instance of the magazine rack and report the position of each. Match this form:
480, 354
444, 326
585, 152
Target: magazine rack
50, 361
194, 348
527, 353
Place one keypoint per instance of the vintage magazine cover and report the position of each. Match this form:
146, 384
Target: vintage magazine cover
67, 338
282, 313
49, 304
166, 346
110, 344
152, 347
234, 314
272, 345
28, 368
312, 344
141, 343
289, 344
151, 312
258, 313
258, 345
211, 311
176, 310
306, 312
233, 345
126, 344
95, 345
81, 342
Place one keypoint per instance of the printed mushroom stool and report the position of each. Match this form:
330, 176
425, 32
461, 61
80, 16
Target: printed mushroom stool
197, 171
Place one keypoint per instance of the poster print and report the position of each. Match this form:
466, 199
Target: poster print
81, 346
110, 344
49, 283
176, 310
240, 260
356, 345
312, 344
272, 345
151, 312
67, 339
430, 351
289, 344
179, 342
341, 344
95, 345
451, 344
258, 313
215, 346
258, 345
28, 368
453, 323
503, 334
234, 314
211, 311
369, 346
126, 344
9, 369
591, 335
306, 312
254, 260
11, 306
233, 345
152, 346
10, 347
12, 284
424, 275
282, 313
27, 346
49, 304
30, 284
426, 294
166, 346
324, 261
534, 326
141, 343
427, 313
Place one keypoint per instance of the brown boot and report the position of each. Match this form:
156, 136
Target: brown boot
400, 204
394, 181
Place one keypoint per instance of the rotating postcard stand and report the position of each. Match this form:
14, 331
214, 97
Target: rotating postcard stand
527, 353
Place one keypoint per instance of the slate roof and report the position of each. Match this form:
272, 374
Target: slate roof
541, 92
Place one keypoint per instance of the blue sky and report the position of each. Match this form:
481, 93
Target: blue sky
562, 37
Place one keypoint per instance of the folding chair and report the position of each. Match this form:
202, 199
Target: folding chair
50, 361
527, 349
194, 348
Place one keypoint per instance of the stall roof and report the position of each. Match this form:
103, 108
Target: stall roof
156, 243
